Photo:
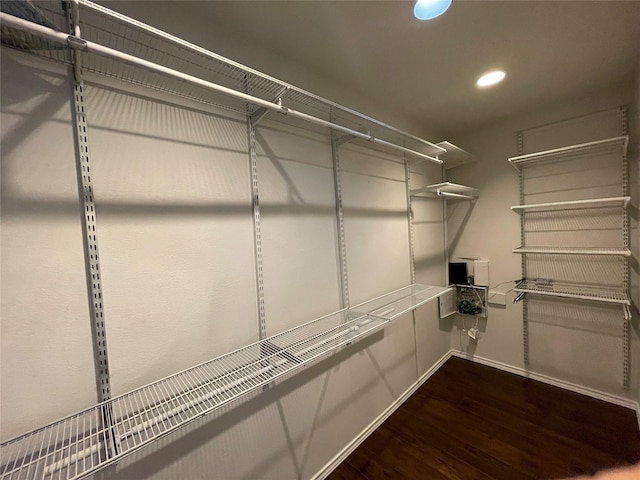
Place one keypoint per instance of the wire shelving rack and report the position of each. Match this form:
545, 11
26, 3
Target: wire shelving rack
112, 45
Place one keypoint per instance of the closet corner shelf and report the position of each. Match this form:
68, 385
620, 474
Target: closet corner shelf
619, 251
87, 441
455, 156
615, 144
452, 157
573, 204
597, 293
447, 190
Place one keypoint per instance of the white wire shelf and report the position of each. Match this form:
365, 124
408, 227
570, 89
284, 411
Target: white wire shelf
80, 444
89, 440
573, 204
453, 157
619, 251
606, 294
392, 305
615, 144
114, 45
447, 190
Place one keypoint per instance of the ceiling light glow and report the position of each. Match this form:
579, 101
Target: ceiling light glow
491, 78
428, 9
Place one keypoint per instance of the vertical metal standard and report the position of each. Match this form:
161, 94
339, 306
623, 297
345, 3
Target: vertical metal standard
407, 174
626, 347
342, 243
90, 242
255, 206
525, 306
445, 228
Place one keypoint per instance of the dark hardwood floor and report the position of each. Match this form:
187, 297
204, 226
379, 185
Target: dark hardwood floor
469, 422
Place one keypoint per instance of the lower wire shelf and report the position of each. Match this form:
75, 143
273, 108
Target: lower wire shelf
394, 304
87, 441
570, 290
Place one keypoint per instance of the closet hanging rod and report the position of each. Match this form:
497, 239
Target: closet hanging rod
91, 47
213, 56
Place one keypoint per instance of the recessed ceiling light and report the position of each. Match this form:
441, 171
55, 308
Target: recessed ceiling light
491, 78
428, 9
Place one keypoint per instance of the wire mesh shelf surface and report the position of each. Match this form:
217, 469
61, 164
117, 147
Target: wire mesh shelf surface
573, 204
620, 251
394, 304
598, 293
609, 145
84, 442
455, 156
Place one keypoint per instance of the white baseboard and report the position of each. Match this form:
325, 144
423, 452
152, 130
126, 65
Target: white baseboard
573, 387
638, 413
355, 443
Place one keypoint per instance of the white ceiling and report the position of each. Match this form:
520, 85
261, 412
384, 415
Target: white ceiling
426, 71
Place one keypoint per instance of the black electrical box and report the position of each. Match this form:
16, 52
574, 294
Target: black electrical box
458, 273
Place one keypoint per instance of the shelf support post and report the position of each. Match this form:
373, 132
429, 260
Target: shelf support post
85, 187
255, 207
342, 243
90, 237
407, 175
626, 368
522, 297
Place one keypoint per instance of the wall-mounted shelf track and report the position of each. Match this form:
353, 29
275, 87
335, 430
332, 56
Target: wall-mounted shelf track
599, 147
89, 440
573, 204
447, 190
617, 251
596, 293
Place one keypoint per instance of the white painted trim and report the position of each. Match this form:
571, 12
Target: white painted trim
355, 443
590, 392
638, 413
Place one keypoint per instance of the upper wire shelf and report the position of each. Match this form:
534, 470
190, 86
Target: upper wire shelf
392, 305
454, 156
573, 290
573, 204
617, 251
447, 190
114, 45
615, 144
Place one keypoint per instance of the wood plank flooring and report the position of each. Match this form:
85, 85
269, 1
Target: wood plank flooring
469, 422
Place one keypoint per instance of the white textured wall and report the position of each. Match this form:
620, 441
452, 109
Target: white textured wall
46, 358
587, 352
174, 231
